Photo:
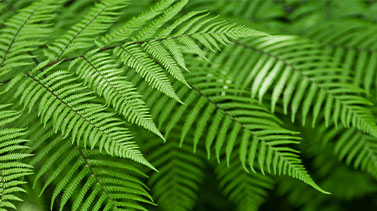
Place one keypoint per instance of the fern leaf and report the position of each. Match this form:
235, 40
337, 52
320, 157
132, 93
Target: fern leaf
282, 64
352, 44
89, 179
135, 58
72, 111
148, 43
100, 72
24, 32
12, 169
359, 148
355, 148
236, 116
124, 32
97, 21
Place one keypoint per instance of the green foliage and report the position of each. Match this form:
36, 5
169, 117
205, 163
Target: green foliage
188, 105
12, 169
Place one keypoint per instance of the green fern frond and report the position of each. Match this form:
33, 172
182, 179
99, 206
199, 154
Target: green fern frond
97, 21
247, 190
89, 179
237, 121
358, 148
24, 32
154, 74
283, 64
70, 107
12, 169
100, 72
354, 45
355, 148
148, 42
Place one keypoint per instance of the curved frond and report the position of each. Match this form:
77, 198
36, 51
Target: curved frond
237, 121
354, 45
12, 169
297, 73
151, 37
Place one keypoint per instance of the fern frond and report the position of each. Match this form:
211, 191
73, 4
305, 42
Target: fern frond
12, 169
283, 64
176, 185
70, 107
237, 120
355, 148
125, 32
24, 32
100, 72
247, 190
150, 37
154, 74
354, 45
80, 36
88, 179
358, 148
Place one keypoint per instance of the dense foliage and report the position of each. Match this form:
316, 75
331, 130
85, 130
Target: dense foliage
179, 105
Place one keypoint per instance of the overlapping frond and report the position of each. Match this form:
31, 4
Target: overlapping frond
296, 72
61, 99
176, 185
12, 168
98, 20
236, 121
24, 32
101, 73
84, 179
247, 190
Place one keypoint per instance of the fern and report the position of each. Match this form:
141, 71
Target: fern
12, 169
187, 105
90, 179
99, 71
97, 21
284, 64
24, 33
356, 50
237, 121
